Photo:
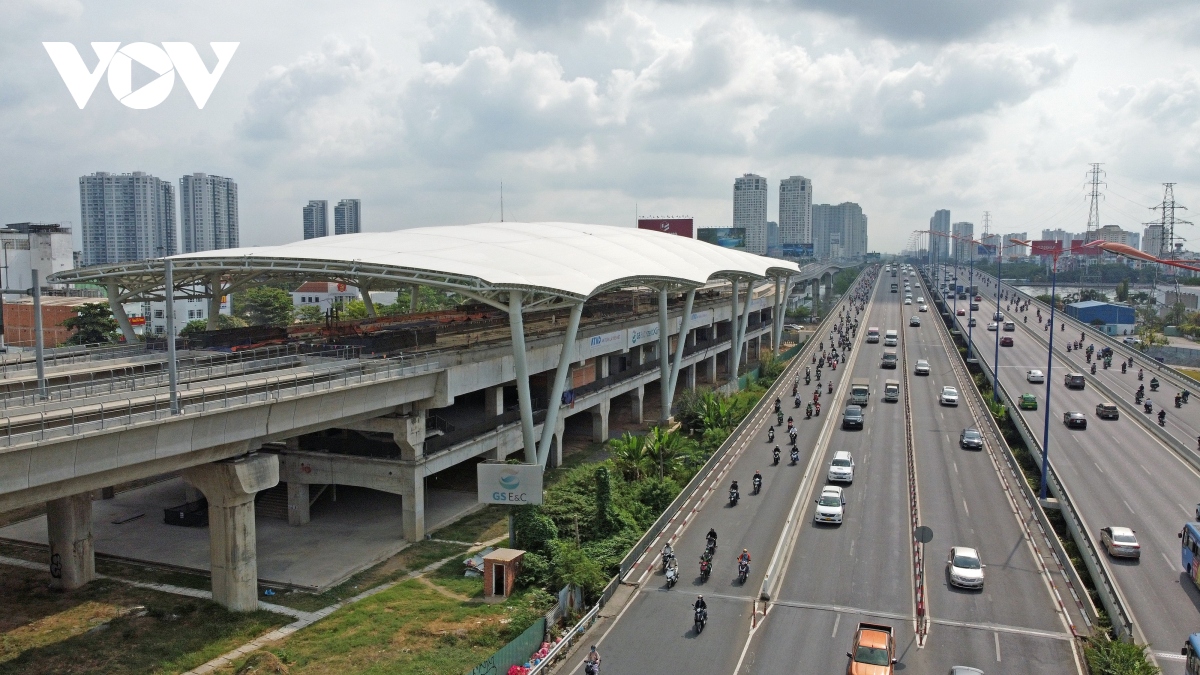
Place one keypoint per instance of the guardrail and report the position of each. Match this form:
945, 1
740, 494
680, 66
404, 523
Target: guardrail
59, 356
914, 503
1110, 595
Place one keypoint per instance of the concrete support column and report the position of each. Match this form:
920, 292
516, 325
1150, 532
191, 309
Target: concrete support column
413, 517
602, 366
829, 286
118, 310
560, 430
72, 558
637, 399
493, 402
414, 293
712, 369
214, 301
367, 301
230, 486
298, 503
600, 421
689, 377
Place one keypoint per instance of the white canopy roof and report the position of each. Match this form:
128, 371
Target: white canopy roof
566, 260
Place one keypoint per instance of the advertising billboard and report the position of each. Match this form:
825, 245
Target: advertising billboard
727, 237
515, 484
797, 250
680, 226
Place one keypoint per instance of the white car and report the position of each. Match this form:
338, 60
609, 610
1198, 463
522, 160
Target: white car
993, 326
830, 506
922, 367
923, 308
921, 299
908, 301
841, 469
949, 396
1035, 376
964, 568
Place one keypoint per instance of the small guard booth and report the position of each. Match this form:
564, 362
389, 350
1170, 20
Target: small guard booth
500, 570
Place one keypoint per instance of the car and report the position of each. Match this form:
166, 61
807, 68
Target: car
964, 568
1120, 542
923, 308
974, 306
971, 323
998, 316
922, 367
831, 506
853, 417
978, 298
1010, 326
949, 396
1035, 376
961, 312
970, 438
915, 322
908, 301
873, 651
993, 326
1075, 419
1027, 402
1075, 381
965, 670
920, 299
1006, 341
1132, 341
1107, 411
841, 467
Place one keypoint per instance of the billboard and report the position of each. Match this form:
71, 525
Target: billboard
797, 250
679, 226
515, 484
727, 237
1046, 247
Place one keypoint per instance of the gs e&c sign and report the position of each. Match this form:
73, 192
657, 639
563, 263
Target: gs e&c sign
515, 484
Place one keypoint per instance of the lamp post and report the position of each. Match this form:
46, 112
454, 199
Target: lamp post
996, 360
970, 299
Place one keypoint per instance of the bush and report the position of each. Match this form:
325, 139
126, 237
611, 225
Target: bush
1106, 656
533, 529
656, 495
572, 565
535, 571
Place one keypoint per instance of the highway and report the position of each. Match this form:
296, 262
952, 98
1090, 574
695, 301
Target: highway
1118, 474
654, 631
1012, 626
835, 576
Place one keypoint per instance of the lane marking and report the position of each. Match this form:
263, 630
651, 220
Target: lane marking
1098, 467
1170, 564
1127, 506
1145, 469
1169, 656
1188, 513
965, 507
836, 620
997, 646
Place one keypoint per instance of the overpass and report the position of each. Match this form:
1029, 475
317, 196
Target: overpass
236, 429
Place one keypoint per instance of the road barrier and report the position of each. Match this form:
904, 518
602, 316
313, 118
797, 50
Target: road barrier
914, 502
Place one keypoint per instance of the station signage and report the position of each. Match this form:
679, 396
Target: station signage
704, 318
515, 484
596, 345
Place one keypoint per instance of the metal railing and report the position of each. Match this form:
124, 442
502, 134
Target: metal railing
15, 362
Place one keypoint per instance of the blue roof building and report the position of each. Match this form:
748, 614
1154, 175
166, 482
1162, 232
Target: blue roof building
1113, 318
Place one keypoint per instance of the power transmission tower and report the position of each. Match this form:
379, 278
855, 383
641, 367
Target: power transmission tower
987, 223
1093, 227
1170, 244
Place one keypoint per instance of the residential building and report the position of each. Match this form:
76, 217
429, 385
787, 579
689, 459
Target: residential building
323, 294
750, 211
839, 231
316, 219
128, 216
773, 241
151, 318
347, 217
940, 223
208, 212
1114, 234
795, 211
965, 231
1152, 240
1060, 235
45, 247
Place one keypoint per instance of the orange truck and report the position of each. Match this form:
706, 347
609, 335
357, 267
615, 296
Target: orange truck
873, 652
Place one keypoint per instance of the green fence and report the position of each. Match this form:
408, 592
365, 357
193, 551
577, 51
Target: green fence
514, 653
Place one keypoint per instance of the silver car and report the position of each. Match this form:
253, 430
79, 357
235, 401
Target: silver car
922, 367
964, 567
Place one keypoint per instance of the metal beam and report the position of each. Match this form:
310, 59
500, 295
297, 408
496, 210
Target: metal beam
735, 353
664, 364
741, 330
366, 298
775, 322
172, 367
516, 323
560, 380
118, 310
685, 324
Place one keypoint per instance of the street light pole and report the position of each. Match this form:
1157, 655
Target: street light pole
1049, 379
970, 300
996, 360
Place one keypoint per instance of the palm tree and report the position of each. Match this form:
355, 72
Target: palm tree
664, 446
628, 454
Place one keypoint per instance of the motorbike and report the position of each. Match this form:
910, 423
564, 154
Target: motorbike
1162, 418
1154, 384
591, 668
1186, 395
779, 418
672, 576
1137, 398
796, 402
733, 497
710, 547
776, 453
771, 435
701, 618
1139, 374
817, 410
1178, 401
807, 381
1148, 407
777, 407
1068, 347
743, 572
705, 569
667, 557
830, 390
795, 456
1093, 369
792, 437
757, 485
808, 412
1122, 367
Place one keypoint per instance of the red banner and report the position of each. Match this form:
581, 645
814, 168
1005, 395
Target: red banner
680, 226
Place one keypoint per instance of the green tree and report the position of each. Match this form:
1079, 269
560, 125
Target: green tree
1176, 315
264, 306
93, 324
628, 454
572, 565
604, 508
664, 448
307, 314
224, 321
1093, 294
535, 530
1123, 291
355, 309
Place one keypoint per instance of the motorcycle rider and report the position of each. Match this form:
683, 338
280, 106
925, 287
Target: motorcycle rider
771, 435
744, 557
592, 661
757, 481
775, 452
700, 603
808, 411
667, 553
1162, 418
1139, 374
830, 387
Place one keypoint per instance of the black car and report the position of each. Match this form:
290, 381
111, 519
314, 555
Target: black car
1075, 419
853, 417
971, 438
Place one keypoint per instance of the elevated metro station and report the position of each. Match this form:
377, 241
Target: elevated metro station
561, 319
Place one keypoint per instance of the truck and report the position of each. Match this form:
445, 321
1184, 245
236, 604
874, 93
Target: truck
891, 390
873, 651
860, 391
889, 359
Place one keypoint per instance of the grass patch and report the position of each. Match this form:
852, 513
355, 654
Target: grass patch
409, 629
450, 576
110, 627
483, 525
414, 557
1190, 372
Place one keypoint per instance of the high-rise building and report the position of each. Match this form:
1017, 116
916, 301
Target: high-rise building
940, 222
128, 216
795, 210
347, 218
773, 240
750, 211
208, 212
45, 247
316, 219
839, 231
963, 250
1152, 240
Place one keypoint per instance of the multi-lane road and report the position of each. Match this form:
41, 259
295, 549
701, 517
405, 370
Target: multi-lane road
1118, 473
832, 577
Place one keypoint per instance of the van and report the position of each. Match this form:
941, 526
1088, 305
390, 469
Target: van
891, 390
890, 337
1075, 381
1010, 326
889, 359
872, 334
860, 391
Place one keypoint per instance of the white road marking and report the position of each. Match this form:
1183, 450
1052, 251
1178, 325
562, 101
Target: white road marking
1169, 656
955, 466
964, 504
836, 620
997, 647
1145, 469
1169, 563
1098, 467
1189, 513
1127, 505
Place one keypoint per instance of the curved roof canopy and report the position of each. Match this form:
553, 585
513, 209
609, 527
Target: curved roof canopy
548, 261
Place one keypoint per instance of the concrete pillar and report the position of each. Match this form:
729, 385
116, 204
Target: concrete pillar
493, 402
118, 311
298, 503
214, 301
602, 366
829, 286
637, 398
72, 558
689, 377
191, 494
560, 430
413, 506
600, 421
414, 293
712, 369
367, 301
230, 486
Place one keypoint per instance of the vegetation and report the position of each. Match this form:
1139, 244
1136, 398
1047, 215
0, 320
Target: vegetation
93, 324
308, 314
263, 306
1106, 656
224, 321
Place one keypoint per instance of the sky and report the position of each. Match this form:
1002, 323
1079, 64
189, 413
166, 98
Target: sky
595, 111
